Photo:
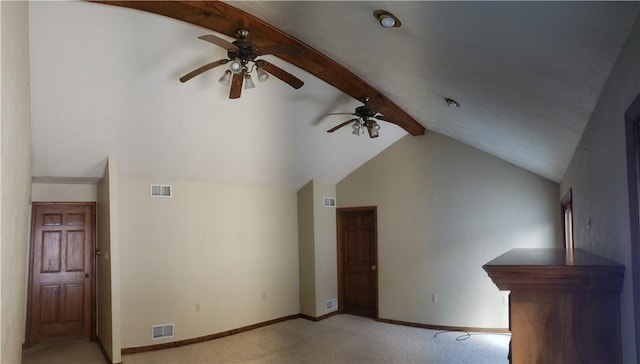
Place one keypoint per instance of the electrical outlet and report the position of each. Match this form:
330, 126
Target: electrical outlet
197, 306
434, 298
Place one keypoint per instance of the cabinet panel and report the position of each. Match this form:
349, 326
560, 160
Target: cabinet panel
564, 306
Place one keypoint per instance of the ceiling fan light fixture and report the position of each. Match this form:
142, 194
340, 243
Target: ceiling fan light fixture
386, 19
236, 66
366, 119
248, 82
226, 78
262, 74
373, 128
356, 128
241, 60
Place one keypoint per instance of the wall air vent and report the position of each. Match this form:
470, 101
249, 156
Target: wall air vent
161, 191
332, 304
329, 201
161, 331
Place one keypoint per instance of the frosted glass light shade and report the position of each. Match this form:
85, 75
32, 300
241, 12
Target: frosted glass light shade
262, 74
373, 130
226, 78
248, 82
356, 128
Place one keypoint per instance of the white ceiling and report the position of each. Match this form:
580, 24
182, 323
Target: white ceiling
105, 83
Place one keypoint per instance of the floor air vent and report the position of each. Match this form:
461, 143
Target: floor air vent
161, 191
161, 331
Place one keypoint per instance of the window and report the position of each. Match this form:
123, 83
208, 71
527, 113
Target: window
567, 219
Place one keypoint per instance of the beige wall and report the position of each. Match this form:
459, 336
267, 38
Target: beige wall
231, 250
326, 268
115, 259
597, 176
306, 251
317, 239
58, 192
444, 210
15, 173
108, 296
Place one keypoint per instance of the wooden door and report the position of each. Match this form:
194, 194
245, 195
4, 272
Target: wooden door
61, 279
357, 265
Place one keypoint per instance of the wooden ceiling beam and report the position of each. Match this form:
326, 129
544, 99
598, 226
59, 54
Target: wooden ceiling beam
225, 19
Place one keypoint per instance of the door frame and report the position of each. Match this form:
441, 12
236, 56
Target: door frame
92, 281
632, 130
340, 213
566, 208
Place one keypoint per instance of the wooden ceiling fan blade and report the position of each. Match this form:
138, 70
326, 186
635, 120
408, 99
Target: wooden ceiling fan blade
276, 49
236, 86
341, 125
285, 76
218, 41
202, 69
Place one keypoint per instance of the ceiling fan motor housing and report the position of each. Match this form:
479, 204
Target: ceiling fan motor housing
364, 111
245, 52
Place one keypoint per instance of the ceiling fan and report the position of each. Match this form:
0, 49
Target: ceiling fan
241, 53
365, 118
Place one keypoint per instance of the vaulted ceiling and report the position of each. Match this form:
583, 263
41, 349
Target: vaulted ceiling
105, 83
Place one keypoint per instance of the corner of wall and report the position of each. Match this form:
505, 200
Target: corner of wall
15, 174
325, 247
306, 256
114, 233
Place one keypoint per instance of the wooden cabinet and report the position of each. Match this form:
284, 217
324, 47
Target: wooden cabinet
564, 306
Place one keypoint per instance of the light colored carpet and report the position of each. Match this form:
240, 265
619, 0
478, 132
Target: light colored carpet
339, 339
79, 351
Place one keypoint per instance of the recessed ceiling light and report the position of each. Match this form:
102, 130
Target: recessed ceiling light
451, 102
386, 19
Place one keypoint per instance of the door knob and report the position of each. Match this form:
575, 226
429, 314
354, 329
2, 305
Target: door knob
86, 275
374, 268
